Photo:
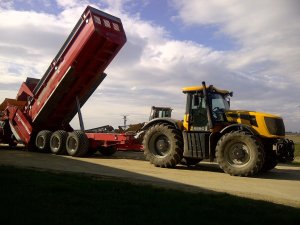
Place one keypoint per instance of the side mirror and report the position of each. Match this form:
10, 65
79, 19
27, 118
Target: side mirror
228, 101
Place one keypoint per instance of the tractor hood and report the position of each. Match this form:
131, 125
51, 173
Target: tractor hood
265, 124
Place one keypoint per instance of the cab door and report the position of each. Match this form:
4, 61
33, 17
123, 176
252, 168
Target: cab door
196, 135
198, 112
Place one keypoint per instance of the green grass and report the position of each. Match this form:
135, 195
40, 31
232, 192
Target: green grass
35, 197
297, 150
294, 137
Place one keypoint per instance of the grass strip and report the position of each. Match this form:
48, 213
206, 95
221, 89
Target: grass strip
297, 150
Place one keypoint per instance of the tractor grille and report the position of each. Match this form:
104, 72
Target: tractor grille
275, 126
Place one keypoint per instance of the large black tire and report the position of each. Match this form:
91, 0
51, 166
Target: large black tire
240, 154
77, 144
163, 145
107, 151
42, 141
58, 142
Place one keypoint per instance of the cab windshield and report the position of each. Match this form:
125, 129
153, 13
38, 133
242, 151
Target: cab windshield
218, 101
219, 106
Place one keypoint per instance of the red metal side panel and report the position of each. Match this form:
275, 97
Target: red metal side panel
77, 70
109, 137
123, 142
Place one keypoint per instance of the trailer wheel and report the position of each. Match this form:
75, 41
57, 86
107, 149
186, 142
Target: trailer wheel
42, 140
163, 145
58, 142
108, 151
240, 154
77, 144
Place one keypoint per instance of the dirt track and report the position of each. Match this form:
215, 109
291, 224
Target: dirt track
281, 185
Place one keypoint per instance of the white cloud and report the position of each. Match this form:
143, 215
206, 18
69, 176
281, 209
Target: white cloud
267, 31
28, 42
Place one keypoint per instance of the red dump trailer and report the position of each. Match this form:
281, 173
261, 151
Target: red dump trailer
40, 115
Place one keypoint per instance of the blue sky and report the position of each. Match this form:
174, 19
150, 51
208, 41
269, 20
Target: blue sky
251, 47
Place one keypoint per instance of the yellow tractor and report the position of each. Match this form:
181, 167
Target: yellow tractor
243, 143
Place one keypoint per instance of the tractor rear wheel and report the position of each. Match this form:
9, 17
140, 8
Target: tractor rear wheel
77, 144
163, 145
42, 140
240, 154
58, 142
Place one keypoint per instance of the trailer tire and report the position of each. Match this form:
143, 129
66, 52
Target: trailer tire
58, 142
163, 145
240, 154
42, 141
107, 151
77, 144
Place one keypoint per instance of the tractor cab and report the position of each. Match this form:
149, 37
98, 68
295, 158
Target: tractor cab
205, 107
160, 112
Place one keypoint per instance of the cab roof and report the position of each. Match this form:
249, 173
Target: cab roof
209, 88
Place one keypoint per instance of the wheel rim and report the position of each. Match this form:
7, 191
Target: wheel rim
55, 143
72, 144
40, 142
162, 145
238, 154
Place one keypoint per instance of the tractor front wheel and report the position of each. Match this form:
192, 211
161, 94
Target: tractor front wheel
240, 154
